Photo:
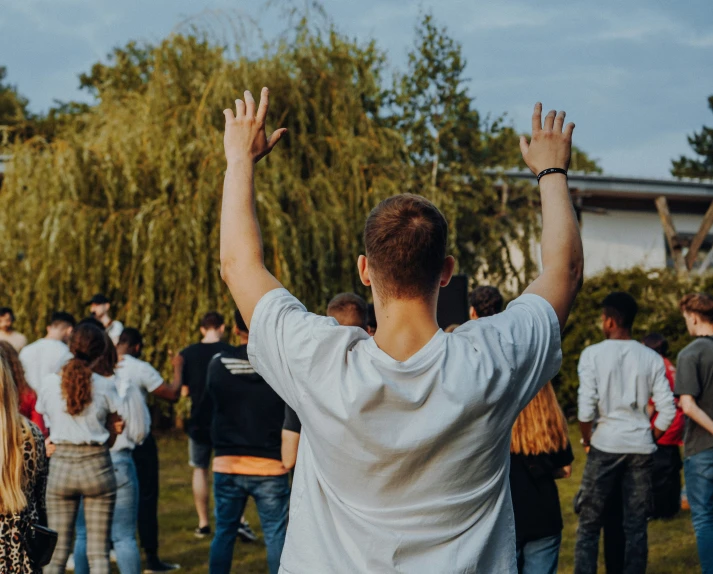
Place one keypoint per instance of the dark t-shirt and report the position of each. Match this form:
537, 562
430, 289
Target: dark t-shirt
247, 416
195, 369
292, 421
694, 376
535, 499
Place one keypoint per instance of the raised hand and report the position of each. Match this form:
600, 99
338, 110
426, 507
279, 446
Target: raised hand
551, 145
245, 136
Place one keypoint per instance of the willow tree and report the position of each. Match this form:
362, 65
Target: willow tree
125, 198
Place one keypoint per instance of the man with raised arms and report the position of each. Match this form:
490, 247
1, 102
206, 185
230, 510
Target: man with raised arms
403, 465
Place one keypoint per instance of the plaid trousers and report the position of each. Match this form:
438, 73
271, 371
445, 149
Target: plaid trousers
81, 472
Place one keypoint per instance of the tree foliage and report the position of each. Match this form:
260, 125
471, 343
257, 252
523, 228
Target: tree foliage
123, 196
702, 144
13, 108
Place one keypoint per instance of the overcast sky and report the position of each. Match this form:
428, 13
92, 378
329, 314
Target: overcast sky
634, 76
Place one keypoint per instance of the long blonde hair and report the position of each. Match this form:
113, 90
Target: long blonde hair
541, 426
14, 430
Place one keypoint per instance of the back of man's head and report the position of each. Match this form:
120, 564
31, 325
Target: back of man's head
131, 338
405, 237
656, 342
349, 310
212, 320
621, 307
240, 324
699, 303
62, 319
486, 301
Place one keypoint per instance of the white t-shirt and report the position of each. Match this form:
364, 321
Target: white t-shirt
88, 427
134, 372
114, 330
403, 465
616, 380
41, 358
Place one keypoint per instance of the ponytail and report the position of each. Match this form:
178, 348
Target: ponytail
77, 385
88, 344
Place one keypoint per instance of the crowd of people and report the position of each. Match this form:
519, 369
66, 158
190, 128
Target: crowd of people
411, 448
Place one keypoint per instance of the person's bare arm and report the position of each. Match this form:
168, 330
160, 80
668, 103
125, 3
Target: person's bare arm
562, 257
290, 442
690, 408
242, 264
172, 391
586, 430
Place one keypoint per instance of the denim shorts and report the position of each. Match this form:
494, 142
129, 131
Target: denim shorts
199, 454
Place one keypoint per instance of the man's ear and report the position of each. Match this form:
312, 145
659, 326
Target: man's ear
363, 266
473, 313
447, 272
203, 331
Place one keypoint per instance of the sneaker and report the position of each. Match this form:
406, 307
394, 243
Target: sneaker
70, 563
154, 565
245, 533
202, 531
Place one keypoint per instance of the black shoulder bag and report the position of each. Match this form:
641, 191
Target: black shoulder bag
41, 542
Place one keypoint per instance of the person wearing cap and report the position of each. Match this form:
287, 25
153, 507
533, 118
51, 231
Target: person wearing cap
99, 307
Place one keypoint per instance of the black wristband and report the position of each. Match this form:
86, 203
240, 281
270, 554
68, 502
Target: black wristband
550, 170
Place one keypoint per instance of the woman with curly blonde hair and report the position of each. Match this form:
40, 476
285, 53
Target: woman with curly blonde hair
81, 405
540, 453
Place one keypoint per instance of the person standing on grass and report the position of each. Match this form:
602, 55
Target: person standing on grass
617, 378
247, 419
694, 386
99, 307
23, 475
7, 333
540, 453
196, 358
403, 463
49, 354
132, 370
667, 456
79, 405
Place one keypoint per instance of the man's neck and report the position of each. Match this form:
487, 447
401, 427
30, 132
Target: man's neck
105, 320
53, 336
405, 326
211, 337
704, 330
620, 335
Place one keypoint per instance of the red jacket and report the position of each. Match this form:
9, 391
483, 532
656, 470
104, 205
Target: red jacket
674, 434
28, 400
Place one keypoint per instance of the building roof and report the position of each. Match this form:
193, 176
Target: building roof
598, 185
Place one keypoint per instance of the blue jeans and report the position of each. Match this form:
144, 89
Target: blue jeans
539, 556
123, 526
272, 498
629, 475
698, 470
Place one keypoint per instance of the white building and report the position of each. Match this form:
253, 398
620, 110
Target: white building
620, 225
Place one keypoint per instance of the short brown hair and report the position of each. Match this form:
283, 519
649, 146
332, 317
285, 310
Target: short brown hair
405, 238
486, 300
699, 303
212, 320
348, 308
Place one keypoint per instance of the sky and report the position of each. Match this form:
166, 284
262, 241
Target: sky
633, 75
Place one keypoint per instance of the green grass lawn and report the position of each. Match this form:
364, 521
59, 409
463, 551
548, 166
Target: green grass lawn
672, 547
